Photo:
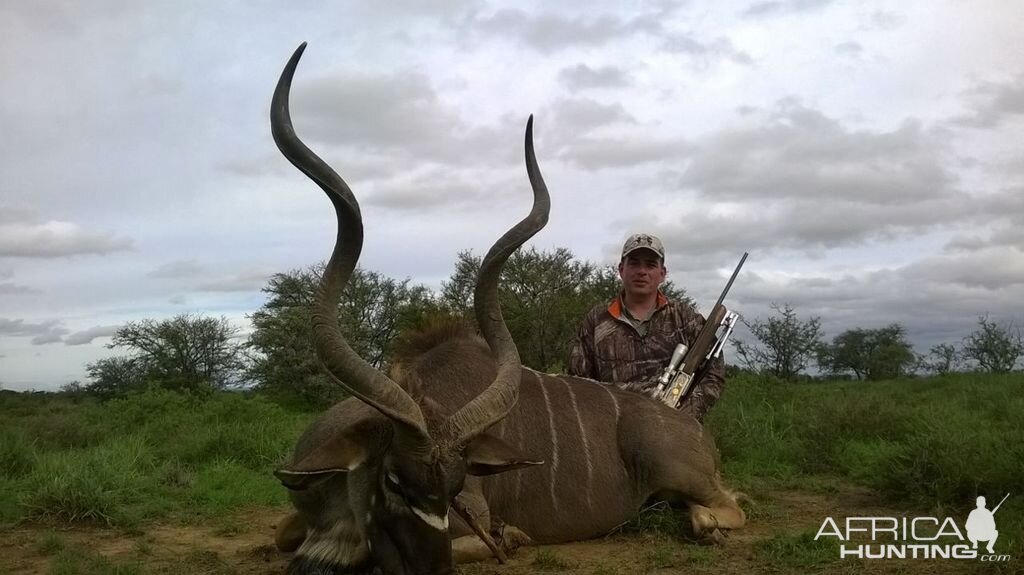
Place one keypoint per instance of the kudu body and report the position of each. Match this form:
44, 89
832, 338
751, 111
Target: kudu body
373, 478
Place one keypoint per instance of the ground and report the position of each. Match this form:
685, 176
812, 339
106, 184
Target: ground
778, 540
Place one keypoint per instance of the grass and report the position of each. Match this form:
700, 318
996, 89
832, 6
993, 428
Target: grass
930, 444
661, 556
50, 543
931, 440
933, 444
78, 561
658, 519
798, 551
548, 560
151, 455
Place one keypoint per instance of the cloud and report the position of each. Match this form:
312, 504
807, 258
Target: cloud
887, 20
87, 335
994, 103
1003, 212
797, 152
178, 269
577, 116
705, 52
241, 282
385, 118
780, 8
549, 33
931, 309
21, 236
426, 189
805, 227
41, 333
600, 153
797, 181
990, 267
10, 288
583, 77
851, 49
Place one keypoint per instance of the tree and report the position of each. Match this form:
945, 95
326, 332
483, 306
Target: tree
185, 352
994, 347
372, 311
115, 376
942, 359
882, 353
544, 296
785, 344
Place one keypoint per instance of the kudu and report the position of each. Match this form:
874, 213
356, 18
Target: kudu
373, 478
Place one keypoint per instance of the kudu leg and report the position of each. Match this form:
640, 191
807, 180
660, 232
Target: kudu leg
719, 511
290, 533
462, 508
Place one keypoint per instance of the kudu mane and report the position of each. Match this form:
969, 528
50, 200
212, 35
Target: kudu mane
443, 349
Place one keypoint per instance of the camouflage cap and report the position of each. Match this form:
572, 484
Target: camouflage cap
643, 242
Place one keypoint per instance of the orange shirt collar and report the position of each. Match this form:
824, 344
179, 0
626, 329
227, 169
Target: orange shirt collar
615, 308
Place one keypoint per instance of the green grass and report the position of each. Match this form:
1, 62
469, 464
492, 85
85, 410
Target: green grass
933, 443
661, 556
930, 444
50, 543
548, 560
605, 569
938, 440
800, 551
78, 561
151, 455
658, 519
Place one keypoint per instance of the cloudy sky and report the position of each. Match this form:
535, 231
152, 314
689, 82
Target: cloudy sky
868, 155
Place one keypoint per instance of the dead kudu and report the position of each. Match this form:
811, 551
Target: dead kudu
373, 479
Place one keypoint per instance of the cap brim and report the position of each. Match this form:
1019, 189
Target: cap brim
644, 248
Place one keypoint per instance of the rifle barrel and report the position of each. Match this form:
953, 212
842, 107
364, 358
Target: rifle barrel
1000, 503
735, 273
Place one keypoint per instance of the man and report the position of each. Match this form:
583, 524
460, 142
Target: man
629, 341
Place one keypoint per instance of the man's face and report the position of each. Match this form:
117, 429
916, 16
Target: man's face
641, 272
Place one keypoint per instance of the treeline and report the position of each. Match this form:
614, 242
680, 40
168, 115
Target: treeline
787, 347
544, 295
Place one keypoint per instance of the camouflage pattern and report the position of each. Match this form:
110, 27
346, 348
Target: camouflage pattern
609, 349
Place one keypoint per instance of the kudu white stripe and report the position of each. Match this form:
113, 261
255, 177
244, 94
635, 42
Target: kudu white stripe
554, 439
583, 437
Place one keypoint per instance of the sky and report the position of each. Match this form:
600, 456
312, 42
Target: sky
867, 154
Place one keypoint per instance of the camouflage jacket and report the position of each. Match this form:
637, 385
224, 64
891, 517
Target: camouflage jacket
608, 348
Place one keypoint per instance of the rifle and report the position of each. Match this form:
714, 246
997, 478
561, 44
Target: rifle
687, 363
1000, 504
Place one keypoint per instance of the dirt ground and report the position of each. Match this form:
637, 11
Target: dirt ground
244, 544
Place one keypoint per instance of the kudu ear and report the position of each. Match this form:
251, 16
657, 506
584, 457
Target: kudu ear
487, 455
341, 454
